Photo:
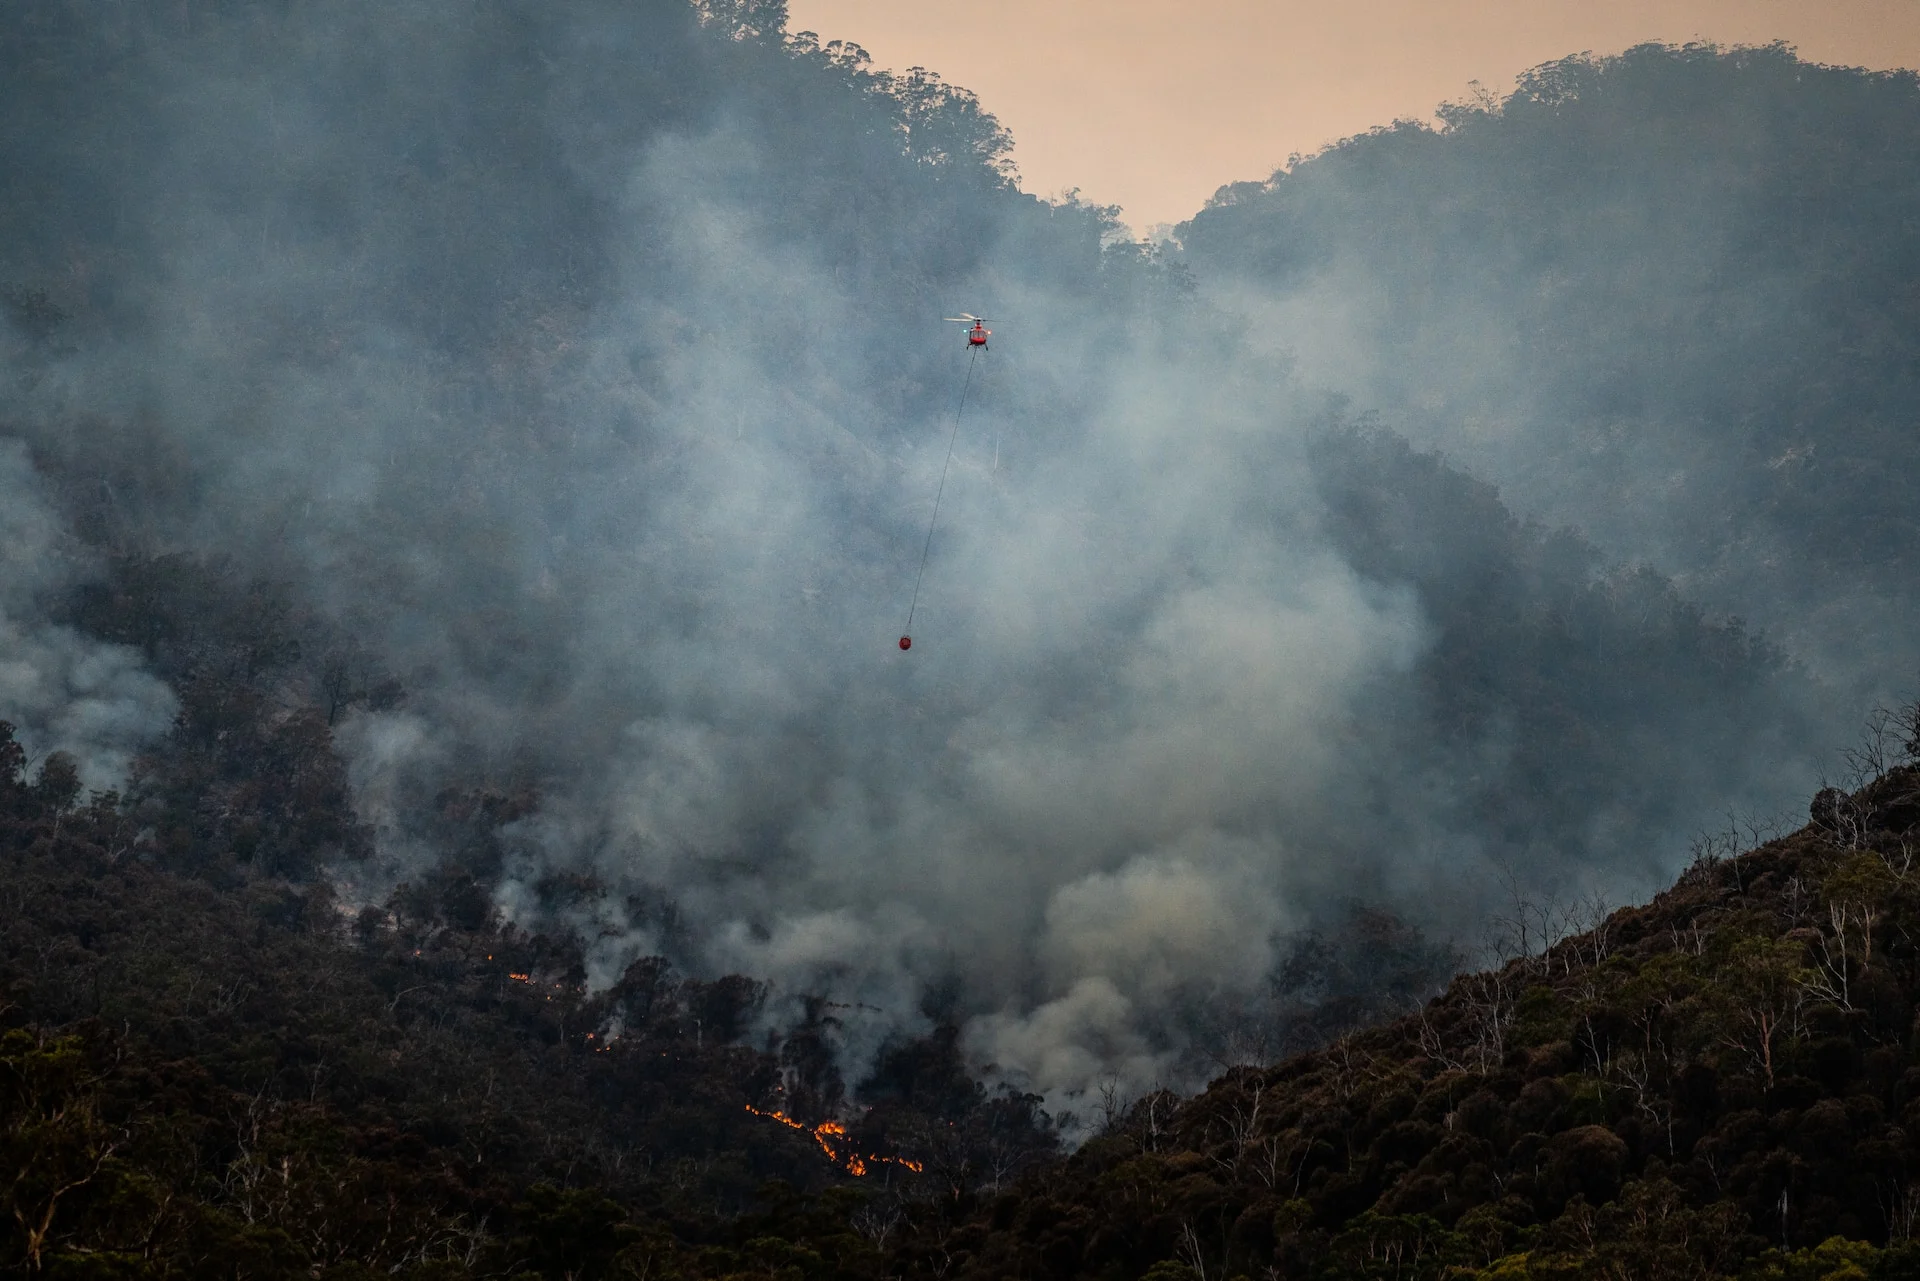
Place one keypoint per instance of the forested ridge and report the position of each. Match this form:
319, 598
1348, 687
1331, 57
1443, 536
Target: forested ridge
208, 1076
1718, 1083
463, 813
1664, 296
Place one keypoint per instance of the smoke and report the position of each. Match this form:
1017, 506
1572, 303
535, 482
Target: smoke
618, 448
1685, 344
63, 692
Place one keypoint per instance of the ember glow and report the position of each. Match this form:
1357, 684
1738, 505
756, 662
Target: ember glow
828, 1134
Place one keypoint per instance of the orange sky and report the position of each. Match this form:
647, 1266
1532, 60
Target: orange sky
1152, 105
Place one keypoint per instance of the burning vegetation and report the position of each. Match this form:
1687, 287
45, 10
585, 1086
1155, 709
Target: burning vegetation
833, 1140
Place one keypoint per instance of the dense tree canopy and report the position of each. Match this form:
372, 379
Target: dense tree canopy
1664, 296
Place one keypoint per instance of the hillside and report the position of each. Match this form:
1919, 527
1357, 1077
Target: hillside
1719, 1083
209, 1074
1659, 296
464, 471
234, 1078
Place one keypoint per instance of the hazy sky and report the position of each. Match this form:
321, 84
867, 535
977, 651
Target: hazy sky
1153, 105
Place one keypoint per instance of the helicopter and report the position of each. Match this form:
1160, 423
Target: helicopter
977, 336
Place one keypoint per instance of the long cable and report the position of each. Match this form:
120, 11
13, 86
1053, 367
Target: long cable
964, 388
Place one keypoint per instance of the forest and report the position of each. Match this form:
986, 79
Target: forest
210, 1071
1747, 431
463, 812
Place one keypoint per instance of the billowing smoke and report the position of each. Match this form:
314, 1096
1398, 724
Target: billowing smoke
63, 691
588, 370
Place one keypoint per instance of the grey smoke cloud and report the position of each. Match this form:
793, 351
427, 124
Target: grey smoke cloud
61, 690
649, 540
1076, 785
1048, 799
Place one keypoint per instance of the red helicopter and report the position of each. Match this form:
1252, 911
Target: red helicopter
977, 336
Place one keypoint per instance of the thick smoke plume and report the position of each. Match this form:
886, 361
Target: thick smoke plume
63, 691
588, 370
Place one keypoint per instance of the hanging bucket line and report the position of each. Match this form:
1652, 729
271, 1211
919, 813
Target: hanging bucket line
906, 633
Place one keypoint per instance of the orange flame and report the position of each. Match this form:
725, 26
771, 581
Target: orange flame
852, 1162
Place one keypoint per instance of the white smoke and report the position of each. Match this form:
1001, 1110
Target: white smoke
661, 575
61, 690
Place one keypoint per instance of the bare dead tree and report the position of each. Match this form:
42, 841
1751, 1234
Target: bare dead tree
877, 1221
1898, 855
1711, 851
1656, 1105
1842, 817
1528, 927
1840, 952
1267, 1163
1348, 1067
1883, 744
1768, 993
1906, 724
1900, 1204
1589, 925
1478, 1039
1191, 1252
1758, 829
1113, 1104
1692, 939
1242, 1124
1797, 898
1155, 1116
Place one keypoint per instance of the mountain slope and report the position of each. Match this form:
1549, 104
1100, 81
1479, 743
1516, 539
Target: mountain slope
1667, 297
202, 1079
1714, 1084
233, 1077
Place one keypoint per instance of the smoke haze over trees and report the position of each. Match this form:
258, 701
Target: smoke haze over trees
1665, 297
485, 450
